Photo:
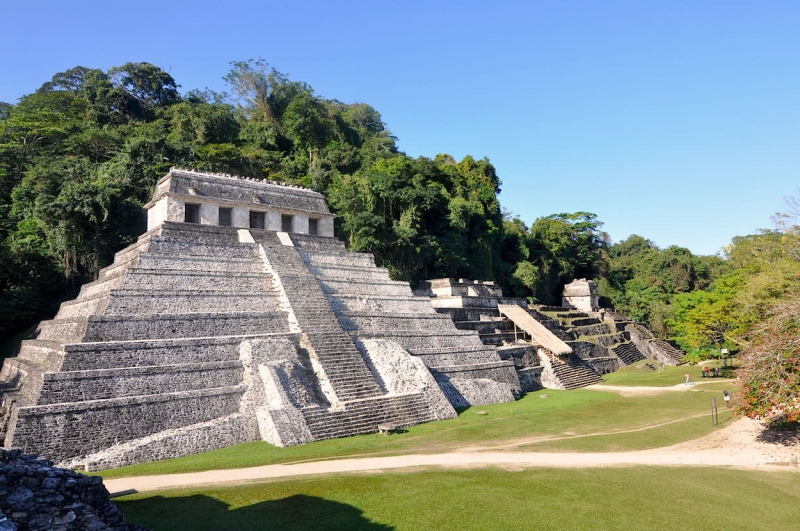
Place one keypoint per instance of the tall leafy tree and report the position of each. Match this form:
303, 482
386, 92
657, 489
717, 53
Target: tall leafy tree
563, 247
770, 376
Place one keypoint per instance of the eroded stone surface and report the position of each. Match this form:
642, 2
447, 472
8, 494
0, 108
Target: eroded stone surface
34, 495
200, 336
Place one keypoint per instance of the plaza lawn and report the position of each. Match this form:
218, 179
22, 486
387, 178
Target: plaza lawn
639, 375
490, 499
548, 420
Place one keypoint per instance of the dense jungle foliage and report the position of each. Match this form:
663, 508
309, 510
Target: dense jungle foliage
81, 155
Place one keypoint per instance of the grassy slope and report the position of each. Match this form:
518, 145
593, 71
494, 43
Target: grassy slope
637, 375
563, 414
610, 498
489, 498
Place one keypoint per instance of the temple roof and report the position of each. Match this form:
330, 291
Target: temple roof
239, 190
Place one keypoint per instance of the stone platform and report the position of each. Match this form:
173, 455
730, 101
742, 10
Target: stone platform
203, 335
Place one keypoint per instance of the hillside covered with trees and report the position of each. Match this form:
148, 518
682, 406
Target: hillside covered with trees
80, 156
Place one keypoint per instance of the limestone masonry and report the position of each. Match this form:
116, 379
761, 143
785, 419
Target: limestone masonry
581, 295
36, 496
555, 347
238, 316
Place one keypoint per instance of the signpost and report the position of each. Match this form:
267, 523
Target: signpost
714, 417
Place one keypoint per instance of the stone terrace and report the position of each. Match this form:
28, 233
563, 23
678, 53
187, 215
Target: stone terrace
371, 306
202, 335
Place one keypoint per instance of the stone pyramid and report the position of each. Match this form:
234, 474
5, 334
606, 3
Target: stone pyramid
236, 317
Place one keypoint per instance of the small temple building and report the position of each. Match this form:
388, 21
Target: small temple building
581, 295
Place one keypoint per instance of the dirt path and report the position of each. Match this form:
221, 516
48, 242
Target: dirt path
645, 390
735, 446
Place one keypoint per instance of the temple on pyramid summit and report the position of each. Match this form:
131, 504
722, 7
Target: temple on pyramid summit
237, 316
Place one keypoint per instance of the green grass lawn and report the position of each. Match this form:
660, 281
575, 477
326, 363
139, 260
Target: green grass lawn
638, 375
493, 498
623, 423
599, 498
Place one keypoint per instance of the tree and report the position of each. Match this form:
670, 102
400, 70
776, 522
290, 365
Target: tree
563, 247
708, 320
149, 86
260, 92
770, 374
642, 280
70, 81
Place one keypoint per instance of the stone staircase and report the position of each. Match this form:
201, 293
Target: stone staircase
365, 416
356, 402
628, 353
573, 372
662, 346
369, 305
652, 347
594, 341
335, 350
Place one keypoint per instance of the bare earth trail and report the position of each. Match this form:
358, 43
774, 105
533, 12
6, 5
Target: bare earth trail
735, 446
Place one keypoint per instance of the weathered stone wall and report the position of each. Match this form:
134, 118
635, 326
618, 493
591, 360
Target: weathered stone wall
213, 191
530, 378
167, 444
451, 287
548, 375
471, 391
156, 352
277, 390
398, 372
586, 350
36, 496
200, 336
137, 381
60, 430
604, 365
582, 295
129, 328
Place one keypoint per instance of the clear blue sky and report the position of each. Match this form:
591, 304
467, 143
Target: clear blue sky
676, 120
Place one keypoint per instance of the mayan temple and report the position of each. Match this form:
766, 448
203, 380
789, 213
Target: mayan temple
237, 316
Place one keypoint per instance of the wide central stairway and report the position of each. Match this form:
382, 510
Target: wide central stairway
373, 310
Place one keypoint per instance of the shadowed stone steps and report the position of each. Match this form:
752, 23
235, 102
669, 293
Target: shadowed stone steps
666, 348
456, 357
574, 373
364, 416
628, 353
338, 356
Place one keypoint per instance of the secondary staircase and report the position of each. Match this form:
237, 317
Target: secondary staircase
628, 353
668, 349
573, 372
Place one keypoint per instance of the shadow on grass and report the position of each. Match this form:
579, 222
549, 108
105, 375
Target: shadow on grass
198, 513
